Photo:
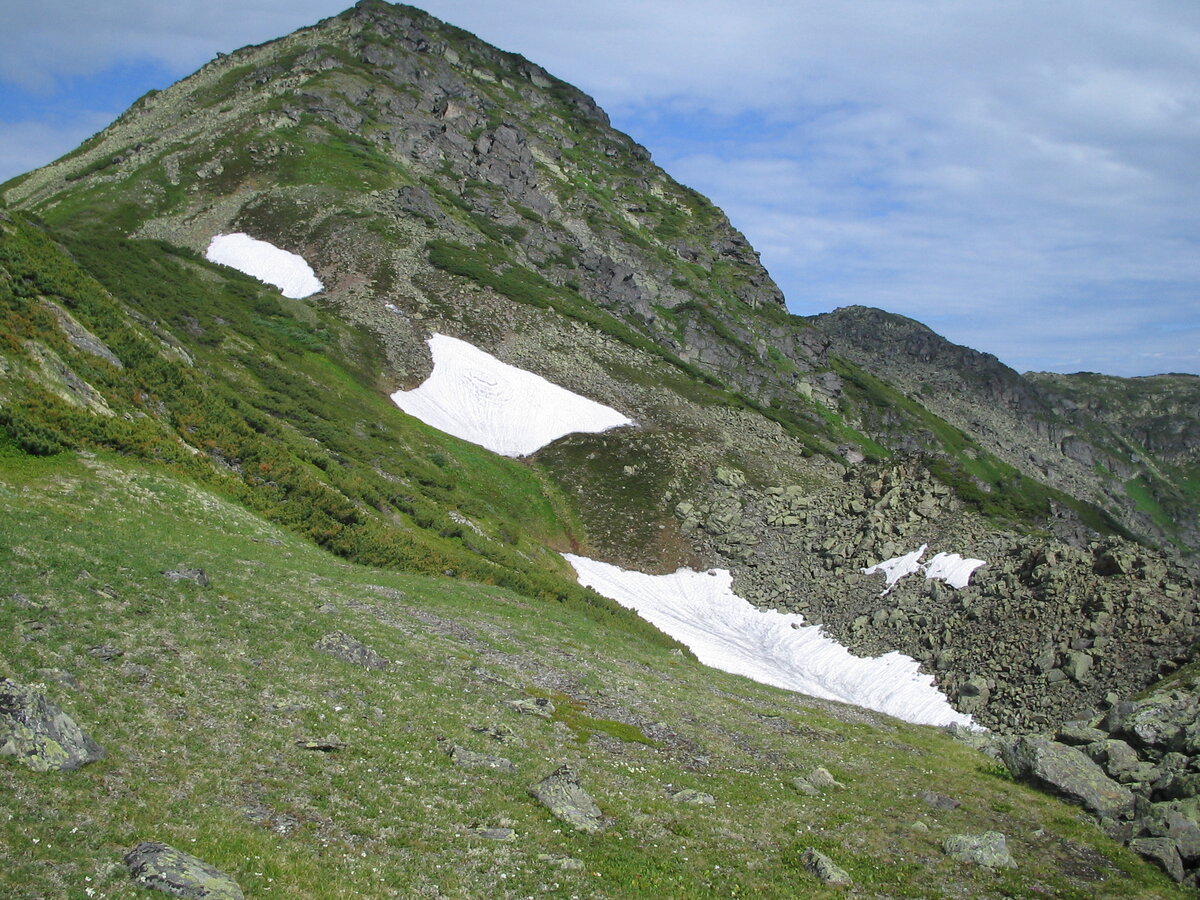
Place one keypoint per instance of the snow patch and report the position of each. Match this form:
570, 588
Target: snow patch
263, 260
948, 567
472, 395
700, 610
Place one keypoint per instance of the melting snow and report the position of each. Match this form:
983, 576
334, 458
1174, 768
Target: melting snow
472, 395
700, 610
948, 567
262, 260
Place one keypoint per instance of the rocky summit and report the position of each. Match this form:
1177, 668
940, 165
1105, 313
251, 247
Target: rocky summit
330, 649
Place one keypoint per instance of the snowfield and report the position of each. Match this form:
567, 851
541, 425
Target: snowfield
948, 567
263, 260
472, 395
700, 610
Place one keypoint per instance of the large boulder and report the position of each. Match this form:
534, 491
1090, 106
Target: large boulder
161, 867
39, 734
1068, 772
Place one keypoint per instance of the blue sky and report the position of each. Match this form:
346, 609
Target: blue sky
1020, 175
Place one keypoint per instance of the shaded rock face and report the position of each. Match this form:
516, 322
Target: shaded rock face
39, 734
825, 869
1086, 434
1068, 772
160, 867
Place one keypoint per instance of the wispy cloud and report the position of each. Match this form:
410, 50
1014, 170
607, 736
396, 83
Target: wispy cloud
1018, 175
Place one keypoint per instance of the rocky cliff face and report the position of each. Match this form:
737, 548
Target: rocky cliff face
1091, 436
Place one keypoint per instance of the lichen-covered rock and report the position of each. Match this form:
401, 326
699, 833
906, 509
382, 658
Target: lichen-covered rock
564, 796
988, 849
824, 869
39, 734
161, 867
342, 646
1068, 772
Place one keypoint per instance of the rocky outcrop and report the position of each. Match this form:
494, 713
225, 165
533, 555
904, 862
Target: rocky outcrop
1068, 772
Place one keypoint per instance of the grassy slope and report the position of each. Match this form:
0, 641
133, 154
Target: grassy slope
201, 714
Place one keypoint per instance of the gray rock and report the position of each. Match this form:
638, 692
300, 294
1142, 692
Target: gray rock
988, 849
505, 835
822, 779
824, 869
1075, 734
533, 706
161, 867
693, 797
803, 786
1161, 851
39, 734
1068, 772
469, 759
564, 796
340, 645
940, 801
182, 573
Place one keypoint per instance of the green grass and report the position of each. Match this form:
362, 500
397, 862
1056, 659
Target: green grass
200, 717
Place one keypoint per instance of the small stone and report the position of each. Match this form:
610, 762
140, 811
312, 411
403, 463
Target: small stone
988, 849
693, 797
160, 867
821, 778
469, 759
939, 801
181, 573
340, 645
534, 706
802, 784
106, 652
321, 745
824, 869
505, 835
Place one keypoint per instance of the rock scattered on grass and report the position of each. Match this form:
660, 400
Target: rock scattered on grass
802, 784
321, 745
692, 797
161, 867
822, 779
182, 573
824, 869
939, 801
469, 759
989, 849
564, 796
39, 734
504, 835
340, 645
534, 706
